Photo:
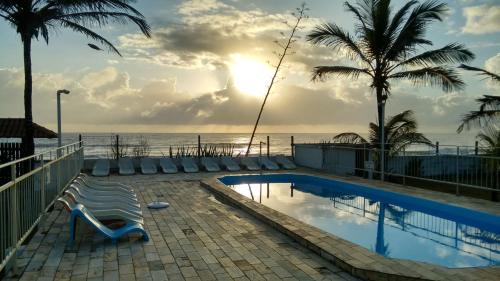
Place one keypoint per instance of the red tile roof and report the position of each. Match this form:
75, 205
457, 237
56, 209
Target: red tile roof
14, 128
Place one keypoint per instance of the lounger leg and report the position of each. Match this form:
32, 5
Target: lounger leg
72, 230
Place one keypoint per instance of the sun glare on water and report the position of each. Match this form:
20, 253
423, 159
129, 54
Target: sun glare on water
250, 76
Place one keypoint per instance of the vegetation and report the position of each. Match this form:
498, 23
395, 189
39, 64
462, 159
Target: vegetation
33, 19
385, 47
118, 148
207, 150
300, 15
489, 106
400, 130
489, 138
142, 148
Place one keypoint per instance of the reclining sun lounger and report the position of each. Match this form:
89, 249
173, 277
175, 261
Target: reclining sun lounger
103, 214
126, 167
79, 211
249, 164
209, 164
101, 196
189, 165
148, 166
95, 182
284, 162
98, 205
117, 189
230, 164
268, 164
168, 166
101, 168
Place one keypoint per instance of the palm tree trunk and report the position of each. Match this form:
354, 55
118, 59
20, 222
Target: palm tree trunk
381, 121
28, 138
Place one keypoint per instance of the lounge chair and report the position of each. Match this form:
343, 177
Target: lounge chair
103, 214
101, 168
267, 164
209, 164
93, 181
167, 166
99, 205
230, 164
249, 164
284, 162
98, 186
189, 165
80, 211
126, 167
102, 196
148, 166
115, 190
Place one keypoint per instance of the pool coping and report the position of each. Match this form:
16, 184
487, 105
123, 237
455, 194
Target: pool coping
351, 257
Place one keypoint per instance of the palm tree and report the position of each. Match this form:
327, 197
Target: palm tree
33, 19
400, 129
489, 138
489, 108
385, 47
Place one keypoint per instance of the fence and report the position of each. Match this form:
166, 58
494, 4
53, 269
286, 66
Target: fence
9, 151
26, 197
467, 173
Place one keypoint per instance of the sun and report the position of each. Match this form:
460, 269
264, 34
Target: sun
250, 76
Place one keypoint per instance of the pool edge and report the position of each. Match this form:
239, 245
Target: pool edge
351, 257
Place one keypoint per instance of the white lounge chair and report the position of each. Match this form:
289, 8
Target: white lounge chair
189, 165
249, 164
230, 164
209, 164
126, 167
167, 166
267, 164
105, 184
284, 162
148, 166
101, 168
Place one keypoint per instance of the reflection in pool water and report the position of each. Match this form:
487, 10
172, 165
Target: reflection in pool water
388, 229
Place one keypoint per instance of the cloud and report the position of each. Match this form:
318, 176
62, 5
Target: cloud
482, 19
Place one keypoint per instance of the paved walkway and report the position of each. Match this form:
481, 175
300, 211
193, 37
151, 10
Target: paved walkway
197, 238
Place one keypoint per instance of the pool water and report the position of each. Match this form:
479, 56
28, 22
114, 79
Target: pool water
390, 224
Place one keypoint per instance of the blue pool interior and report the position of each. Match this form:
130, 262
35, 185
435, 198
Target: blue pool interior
391, 224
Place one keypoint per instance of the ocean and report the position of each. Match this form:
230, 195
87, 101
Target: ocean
98, 144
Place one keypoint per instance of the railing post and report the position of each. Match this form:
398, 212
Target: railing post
268, 145
117, 147
79, 140
15, 218
457, 192
437, 148
404, 167
199, 146
476, 148
292, 145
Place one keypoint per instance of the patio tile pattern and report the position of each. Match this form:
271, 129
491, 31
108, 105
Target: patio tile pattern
196, 238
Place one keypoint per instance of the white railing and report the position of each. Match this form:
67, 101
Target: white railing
461, 172
28, 188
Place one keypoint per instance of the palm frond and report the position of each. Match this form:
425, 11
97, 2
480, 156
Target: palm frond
447, 78
480, 118
331, 35
412, 33
451, 53
489, 138
320, 72
349, 138
89, 33
493, 76
73, 6
489, 102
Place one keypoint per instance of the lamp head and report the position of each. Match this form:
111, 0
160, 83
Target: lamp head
63, 91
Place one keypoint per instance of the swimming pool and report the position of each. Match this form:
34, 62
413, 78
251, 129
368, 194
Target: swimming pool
391, 224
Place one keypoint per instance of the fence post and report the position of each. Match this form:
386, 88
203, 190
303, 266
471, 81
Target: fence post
457, 192
15, 218
476, 148
268, 146
404, 168
117, 147
79, 140
199, 146
292, 145
437, 148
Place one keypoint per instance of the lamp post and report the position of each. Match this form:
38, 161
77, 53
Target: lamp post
59, 92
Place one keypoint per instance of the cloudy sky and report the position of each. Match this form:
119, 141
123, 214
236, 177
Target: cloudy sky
205, 69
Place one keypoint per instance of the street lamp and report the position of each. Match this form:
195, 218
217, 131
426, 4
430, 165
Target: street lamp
59, 92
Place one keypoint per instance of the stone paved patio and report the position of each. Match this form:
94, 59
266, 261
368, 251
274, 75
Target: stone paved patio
197, 238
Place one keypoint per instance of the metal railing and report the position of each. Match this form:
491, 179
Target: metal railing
29, 188
460, 171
